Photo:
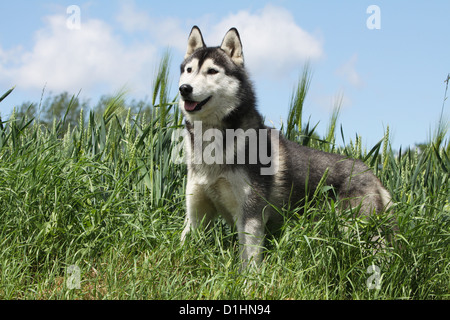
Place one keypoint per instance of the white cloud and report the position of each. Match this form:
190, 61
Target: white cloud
273, 43
165, 31
64, 59
133, 19
349, 73
96, 57
170, 32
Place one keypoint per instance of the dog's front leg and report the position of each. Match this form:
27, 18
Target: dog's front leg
200, 210
251, 239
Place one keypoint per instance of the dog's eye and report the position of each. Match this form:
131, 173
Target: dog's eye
212, 71
189, 70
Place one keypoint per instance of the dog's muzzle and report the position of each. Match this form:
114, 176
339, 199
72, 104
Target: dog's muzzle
186, 90
190, 105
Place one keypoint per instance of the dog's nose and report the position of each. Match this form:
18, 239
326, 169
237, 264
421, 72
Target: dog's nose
185, 90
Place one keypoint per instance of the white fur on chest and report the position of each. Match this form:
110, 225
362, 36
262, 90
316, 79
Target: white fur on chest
227, 190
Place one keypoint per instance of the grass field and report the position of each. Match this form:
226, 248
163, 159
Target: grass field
96, 211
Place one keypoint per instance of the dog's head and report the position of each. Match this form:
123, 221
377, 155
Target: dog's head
211, 78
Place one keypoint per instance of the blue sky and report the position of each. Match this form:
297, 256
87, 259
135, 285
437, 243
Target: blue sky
392, 76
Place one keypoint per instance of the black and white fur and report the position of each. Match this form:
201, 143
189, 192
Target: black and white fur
216, 93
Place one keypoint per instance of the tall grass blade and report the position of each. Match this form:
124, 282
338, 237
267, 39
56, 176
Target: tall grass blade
7, 93
294, 122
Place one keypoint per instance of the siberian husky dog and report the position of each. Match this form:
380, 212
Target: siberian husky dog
239, 168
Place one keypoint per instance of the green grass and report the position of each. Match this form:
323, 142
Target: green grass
104, 196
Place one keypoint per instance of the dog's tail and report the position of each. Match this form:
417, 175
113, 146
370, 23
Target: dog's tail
385, 196
392, 226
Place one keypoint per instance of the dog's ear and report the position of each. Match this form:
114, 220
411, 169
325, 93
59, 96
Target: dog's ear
195, 41
232, 45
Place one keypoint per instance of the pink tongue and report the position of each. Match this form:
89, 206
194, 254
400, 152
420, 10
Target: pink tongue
190, 105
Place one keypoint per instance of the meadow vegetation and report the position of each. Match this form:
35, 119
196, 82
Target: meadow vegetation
102, 193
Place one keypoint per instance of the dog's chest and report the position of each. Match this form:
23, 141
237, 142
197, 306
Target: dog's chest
227, 190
